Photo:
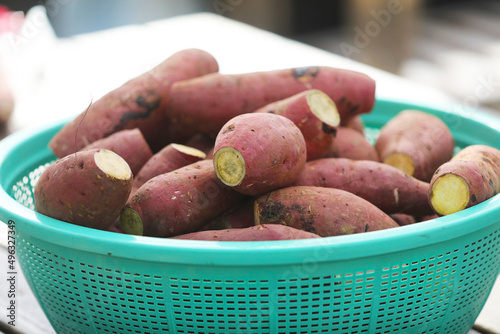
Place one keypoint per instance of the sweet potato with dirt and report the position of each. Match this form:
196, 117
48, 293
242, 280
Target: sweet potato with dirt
322, 211
87, 188
315, 114
171, 157
415, 142
351, 144
205, 104
129, 144
139, 103
269, 232
469, 178
259, 152
239, 217
178, 202
386, 187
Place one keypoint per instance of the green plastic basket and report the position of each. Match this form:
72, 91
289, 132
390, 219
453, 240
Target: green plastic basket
432, 277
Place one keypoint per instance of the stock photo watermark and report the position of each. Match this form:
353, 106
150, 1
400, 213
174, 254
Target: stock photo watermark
11, 273
372, 29
222, 7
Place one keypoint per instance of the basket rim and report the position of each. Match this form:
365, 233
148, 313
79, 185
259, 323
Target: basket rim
256, 253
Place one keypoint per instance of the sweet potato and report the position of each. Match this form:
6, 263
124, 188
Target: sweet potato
129, 144
201, 142
255, 233
139, 103
240, 217
171, 157
387, 187
415, 142
87, 188
315, 114
178, 202
351, 144
205, 104
322, 211
256, 153
355, 123
469, 178
403, 219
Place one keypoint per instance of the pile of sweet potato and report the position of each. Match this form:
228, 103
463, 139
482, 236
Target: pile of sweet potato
185, 152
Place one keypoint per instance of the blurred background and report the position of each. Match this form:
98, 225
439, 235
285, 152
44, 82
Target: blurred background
451, 45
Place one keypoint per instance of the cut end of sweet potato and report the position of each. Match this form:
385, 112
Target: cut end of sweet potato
189, 151
401, 161
323, 107
229, 166
112, 165
131, 222
449, 194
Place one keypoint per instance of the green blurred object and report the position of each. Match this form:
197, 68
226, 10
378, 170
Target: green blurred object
431, 277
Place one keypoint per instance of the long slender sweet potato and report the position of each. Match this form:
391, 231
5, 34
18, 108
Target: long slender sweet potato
205, 104
415, 142
139, 103
87, 188
256, 153
255, 233
171, 157
323, 211
129, 144
469, 178
178, 202
315, 114
387, 187
351, 144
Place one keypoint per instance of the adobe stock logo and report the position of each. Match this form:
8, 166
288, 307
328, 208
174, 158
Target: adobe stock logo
372, 29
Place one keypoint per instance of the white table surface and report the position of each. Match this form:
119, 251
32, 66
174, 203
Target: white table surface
55, 78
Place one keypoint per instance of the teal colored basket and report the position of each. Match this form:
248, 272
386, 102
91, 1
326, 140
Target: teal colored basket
431, 277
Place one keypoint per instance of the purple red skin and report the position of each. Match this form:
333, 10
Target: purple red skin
479, 166
129, 144
322, 211
403, 219
269, 232
139, 103
166, 160
73, 189
374, 181
183, 200
241, 217
351, 144
422, 136
272, 146
205, 104
355, 123
319, 136
201, 142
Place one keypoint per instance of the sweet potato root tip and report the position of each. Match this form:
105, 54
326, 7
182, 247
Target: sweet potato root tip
112, 165
323, 107
402, 162
189, 151
449, 194
230, 166
131, 222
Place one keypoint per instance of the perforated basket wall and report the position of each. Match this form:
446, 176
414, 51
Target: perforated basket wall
433, 277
